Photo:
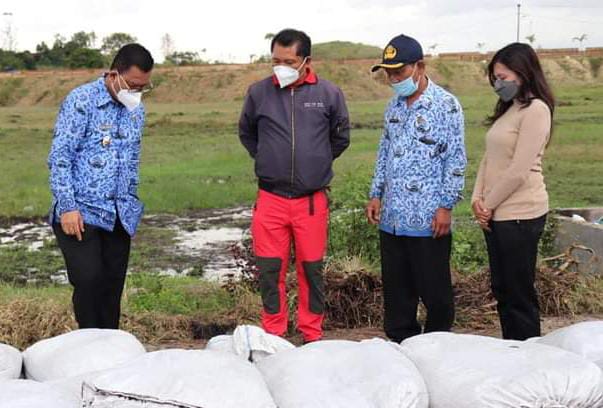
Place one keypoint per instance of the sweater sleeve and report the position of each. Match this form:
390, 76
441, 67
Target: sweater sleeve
534, 131
478, 189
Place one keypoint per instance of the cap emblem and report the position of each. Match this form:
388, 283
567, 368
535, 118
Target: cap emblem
390, 52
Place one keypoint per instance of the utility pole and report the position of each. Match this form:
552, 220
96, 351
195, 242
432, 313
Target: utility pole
9, 35
518, 18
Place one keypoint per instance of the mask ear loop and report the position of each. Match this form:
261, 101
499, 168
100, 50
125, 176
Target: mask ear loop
414, 69
113, 85
302, 64
125, 82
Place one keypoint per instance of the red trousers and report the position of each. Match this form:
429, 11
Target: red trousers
277, 222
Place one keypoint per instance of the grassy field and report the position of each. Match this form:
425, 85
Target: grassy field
192, 159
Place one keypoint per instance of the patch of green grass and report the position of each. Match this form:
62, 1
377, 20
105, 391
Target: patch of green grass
143, 293
337, 50
19, 265
181, 296
595, 65
468, 246
59, 294
444, 69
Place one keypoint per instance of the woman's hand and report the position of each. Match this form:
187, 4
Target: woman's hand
482, 214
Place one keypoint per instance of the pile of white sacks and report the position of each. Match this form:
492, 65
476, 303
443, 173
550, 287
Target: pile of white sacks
251, 369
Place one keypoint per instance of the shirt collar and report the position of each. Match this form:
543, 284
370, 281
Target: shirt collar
311, 79
103, 96
426, 98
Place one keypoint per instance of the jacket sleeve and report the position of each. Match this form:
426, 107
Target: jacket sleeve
134, 161
454, 159
69, 130
248, 130
339, 126
378, 183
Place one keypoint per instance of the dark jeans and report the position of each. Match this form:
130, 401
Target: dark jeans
413, 269
96, 267
512, 251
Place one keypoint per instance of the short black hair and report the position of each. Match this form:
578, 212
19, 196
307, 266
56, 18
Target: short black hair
132, 55
289, 36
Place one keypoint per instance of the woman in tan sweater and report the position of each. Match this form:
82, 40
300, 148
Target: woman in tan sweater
510, 201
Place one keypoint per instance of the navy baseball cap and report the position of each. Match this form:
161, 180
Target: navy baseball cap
401, 50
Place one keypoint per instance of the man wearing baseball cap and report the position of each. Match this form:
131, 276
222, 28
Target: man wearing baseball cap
418, 179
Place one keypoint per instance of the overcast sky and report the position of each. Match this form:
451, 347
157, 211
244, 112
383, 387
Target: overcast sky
232, 30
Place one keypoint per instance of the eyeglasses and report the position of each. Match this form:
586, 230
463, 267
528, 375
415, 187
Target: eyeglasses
133, 89
144, 90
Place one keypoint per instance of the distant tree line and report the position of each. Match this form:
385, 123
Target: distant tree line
82, 51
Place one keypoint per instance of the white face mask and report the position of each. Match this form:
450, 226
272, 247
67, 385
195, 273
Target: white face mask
287, 75
130, 100
126, 97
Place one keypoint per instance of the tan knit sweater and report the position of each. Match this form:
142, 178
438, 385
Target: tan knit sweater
509, 179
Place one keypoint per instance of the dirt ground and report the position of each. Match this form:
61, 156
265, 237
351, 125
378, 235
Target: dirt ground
548, 324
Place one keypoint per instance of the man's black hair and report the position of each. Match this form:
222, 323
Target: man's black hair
289, 37
132, 55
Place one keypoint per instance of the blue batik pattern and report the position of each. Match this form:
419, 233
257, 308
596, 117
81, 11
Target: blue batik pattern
421, 161
94, 159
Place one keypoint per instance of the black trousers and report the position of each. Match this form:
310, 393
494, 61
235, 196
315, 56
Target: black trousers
413, 269
96, 267
512, 251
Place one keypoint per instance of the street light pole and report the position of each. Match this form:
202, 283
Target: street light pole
8, 31
518, 18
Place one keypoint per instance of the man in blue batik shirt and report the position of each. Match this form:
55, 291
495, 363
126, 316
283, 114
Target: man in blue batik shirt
419, 177
93, 166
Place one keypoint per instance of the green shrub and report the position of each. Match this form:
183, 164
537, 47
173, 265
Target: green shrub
595, 65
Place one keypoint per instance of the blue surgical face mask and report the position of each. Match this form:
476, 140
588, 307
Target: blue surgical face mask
407, 87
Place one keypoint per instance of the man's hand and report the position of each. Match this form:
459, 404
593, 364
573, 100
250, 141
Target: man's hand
441, 222
373, 211
72, 223
482, 214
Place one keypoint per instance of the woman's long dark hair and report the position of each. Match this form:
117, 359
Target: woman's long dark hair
521, 59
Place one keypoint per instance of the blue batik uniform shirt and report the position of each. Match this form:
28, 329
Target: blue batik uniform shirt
94, 159
421, 161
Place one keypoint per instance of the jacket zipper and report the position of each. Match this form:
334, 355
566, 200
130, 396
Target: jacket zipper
292, 136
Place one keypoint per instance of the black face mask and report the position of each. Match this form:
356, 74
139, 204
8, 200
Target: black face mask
506, 90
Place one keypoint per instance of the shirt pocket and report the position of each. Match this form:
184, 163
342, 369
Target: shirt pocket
430, 142
393, 127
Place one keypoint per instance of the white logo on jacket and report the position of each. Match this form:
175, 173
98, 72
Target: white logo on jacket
314, 105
